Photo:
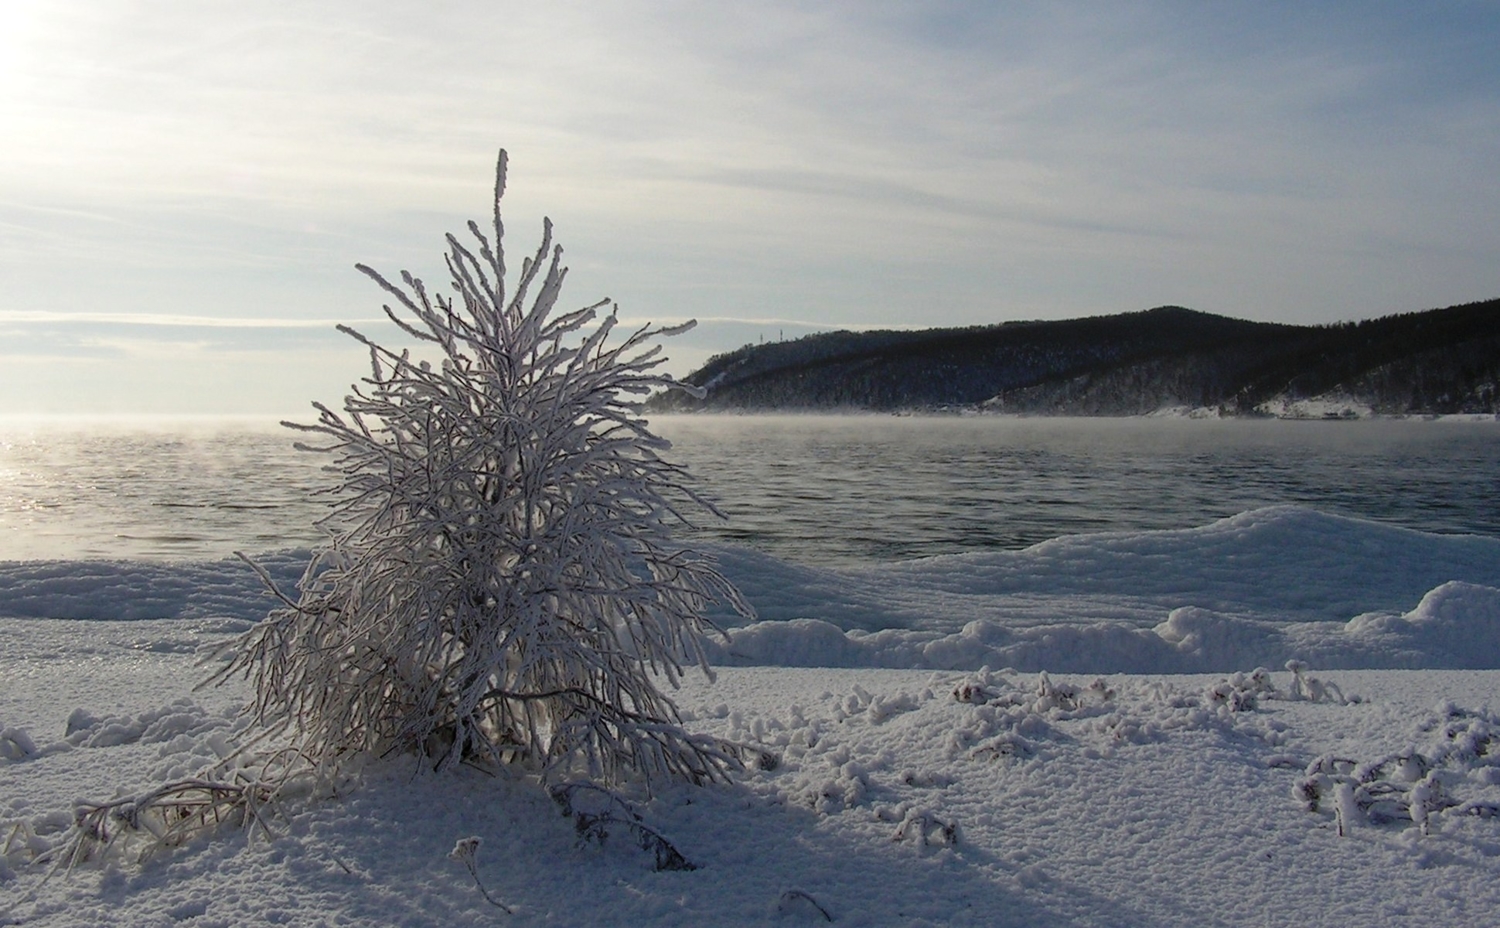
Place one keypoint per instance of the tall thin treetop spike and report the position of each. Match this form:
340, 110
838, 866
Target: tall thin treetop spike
499, 254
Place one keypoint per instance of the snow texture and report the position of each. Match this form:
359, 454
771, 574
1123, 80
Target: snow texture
1258, 588
953, 795
886, 797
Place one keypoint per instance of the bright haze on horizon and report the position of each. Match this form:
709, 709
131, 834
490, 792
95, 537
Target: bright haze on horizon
185, 186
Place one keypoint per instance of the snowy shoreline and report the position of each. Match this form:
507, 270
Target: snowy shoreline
1258, 588
942, 790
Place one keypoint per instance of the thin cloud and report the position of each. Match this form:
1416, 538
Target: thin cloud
762, 321
43, 317
766, 166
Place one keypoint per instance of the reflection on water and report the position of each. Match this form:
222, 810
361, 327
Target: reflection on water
816, 489
167, 492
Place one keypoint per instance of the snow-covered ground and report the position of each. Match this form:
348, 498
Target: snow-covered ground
918, 778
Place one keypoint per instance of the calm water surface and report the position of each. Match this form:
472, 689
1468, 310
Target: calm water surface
814, 489
837, 490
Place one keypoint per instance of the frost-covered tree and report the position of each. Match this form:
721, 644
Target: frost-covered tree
500, 583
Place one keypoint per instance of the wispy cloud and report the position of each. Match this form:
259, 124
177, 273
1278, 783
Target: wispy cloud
168, 320
817, 166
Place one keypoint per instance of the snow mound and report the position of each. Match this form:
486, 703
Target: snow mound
1456, 626
135, 590
1282, 563
1261, 587
182, 718
1258, 588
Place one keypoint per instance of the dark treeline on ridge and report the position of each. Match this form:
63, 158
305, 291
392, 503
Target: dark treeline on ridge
1441, 361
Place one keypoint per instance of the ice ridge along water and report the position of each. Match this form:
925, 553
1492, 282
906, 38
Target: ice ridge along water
1258, 588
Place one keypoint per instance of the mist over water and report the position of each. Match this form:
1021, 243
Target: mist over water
160, 491
831, 490
822, 490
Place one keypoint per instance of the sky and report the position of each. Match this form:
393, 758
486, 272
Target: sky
185, 186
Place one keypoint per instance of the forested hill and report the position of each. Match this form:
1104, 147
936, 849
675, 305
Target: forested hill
1439, 361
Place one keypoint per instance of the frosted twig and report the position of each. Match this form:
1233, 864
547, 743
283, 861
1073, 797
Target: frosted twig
793, 899
593, 825
465, 851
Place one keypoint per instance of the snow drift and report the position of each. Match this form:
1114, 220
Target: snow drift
951, 795
1258, 588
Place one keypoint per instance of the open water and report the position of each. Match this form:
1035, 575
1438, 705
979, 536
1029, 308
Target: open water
814, 489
